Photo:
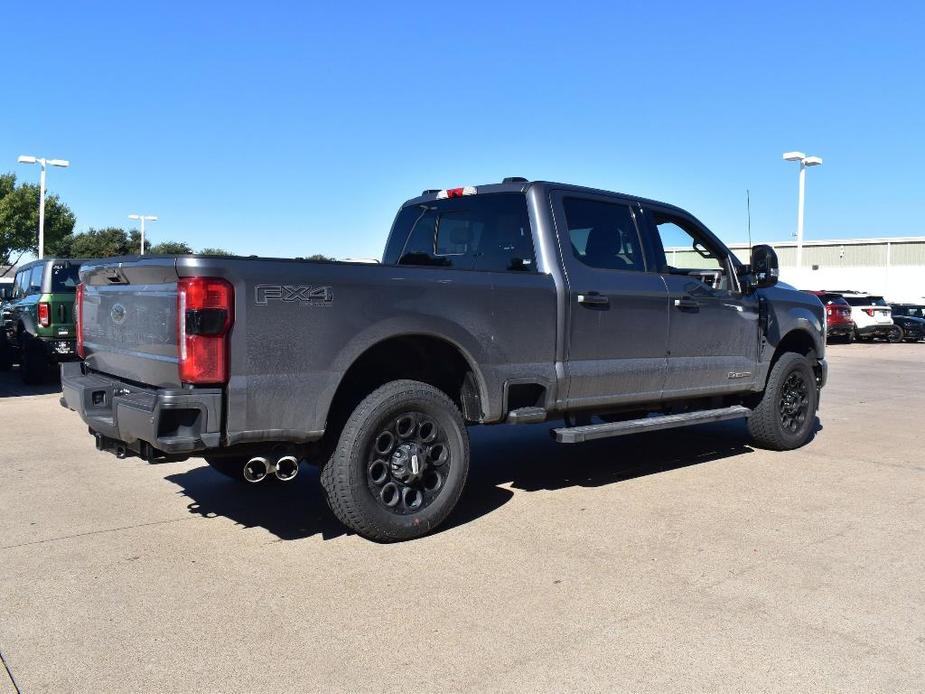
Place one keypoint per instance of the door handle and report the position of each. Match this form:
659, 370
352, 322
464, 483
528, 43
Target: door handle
687, 304
593, 299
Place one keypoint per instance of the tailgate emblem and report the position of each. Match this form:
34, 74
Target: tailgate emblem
117, 314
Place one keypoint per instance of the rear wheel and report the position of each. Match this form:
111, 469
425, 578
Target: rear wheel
895, 335
400, 464
786, 415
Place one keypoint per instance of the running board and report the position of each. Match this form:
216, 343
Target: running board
635, 426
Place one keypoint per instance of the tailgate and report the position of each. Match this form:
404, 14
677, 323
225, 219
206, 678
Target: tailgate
61, 314
130, 319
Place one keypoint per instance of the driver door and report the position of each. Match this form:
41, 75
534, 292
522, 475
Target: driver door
713, 326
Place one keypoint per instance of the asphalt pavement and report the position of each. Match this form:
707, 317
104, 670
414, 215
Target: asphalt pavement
673, 561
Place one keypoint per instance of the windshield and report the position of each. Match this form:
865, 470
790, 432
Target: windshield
65, 278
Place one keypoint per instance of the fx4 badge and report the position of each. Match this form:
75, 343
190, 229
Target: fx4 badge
288, 294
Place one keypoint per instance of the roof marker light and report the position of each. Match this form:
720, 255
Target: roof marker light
456, 192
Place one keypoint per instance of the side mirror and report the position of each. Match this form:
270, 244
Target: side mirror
764, 267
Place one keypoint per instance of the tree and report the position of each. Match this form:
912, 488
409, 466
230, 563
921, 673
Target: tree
19, 220
100, 243
215, 251
319, 258
171, 248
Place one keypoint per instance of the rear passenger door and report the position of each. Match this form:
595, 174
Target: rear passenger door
617, 316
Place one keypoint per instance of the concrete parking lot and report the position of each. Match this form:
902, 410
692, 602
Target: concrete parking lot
681, 561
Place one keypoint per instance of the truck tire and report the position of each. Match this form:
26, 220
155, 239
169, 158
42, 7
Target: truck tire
785, 417
33, 365
895, 334
400, 463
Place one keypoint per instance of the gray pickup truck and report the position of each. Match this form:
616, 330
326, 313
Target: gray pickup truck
517, 302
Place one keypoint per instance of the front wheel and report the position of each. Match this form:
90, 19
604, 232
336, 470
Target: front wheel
895, 335
786, 415
400, 464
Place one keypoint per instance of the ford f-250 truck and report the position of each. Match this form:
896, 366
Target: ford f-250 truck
516, 302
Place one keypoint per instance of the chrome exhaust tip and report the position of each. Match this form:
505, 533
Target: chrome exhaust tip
256, 469
287, 468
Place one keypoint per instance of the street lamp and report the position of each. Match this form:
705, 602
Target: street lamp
62, 163
142, 218
804, 163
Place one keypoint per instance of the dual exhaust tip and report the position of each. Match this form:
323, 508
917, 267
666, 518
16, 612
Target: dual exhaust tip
259, 468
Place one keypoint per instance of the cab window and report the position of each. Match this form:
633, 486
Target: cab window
688, 251
603, 234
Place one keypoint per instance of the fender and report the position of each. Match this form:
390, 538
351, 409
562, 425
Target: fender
407, 326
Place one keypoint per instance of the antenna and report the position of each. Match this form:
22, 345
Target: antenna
748, 208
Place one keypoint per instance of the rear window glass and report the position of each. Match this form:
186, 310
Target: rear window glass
35, 279
859, 300
833, 299
877, 301
64, 278
488, 232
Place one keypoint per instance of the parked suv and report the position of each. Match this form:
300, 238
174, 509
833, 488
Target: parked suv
911, 319
872, 317
39, 322
837, 315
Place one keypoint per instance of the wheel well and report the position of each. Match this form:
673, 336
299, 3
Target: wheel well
798, 341
418, 357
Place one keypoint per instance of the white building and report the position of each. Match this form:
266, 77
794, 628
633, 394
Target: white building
891, 267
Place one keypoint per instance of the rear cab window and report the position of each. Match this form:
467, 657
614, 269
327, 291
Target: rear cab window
488, 232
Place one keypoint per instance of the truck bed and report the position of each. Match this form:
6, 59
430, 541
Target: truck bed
300, 325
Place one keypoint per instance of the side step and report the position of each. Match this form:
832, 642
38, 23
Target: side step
635, 426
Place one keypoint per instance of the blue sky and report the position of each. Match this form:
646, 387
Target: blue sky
287, 129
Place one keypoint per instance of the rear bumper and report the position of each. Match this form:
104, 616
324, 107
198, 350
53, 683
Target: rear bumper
146, 421
881, 329
60, 349
840, 329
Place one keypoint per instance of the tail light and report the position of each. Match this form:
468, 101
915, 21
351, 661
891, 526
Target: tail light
79, 320
44, 315
828, 310
205, 314
869, 311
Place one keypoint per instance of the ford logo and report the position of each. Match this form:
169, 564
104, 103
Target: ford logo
117, 314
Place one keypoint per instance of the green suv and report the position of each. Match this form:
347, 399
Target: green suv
38, 327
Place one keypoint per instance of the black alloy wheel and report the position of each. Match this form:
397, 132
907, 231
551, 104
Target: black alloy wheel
794, 402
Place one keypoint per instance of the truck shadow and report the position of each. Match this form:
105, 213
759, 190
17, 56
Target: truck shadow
11, 385
504, 458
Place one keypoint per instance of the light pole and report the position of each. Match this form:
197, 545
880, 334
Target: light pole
63, 163
804, 163
142, 218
